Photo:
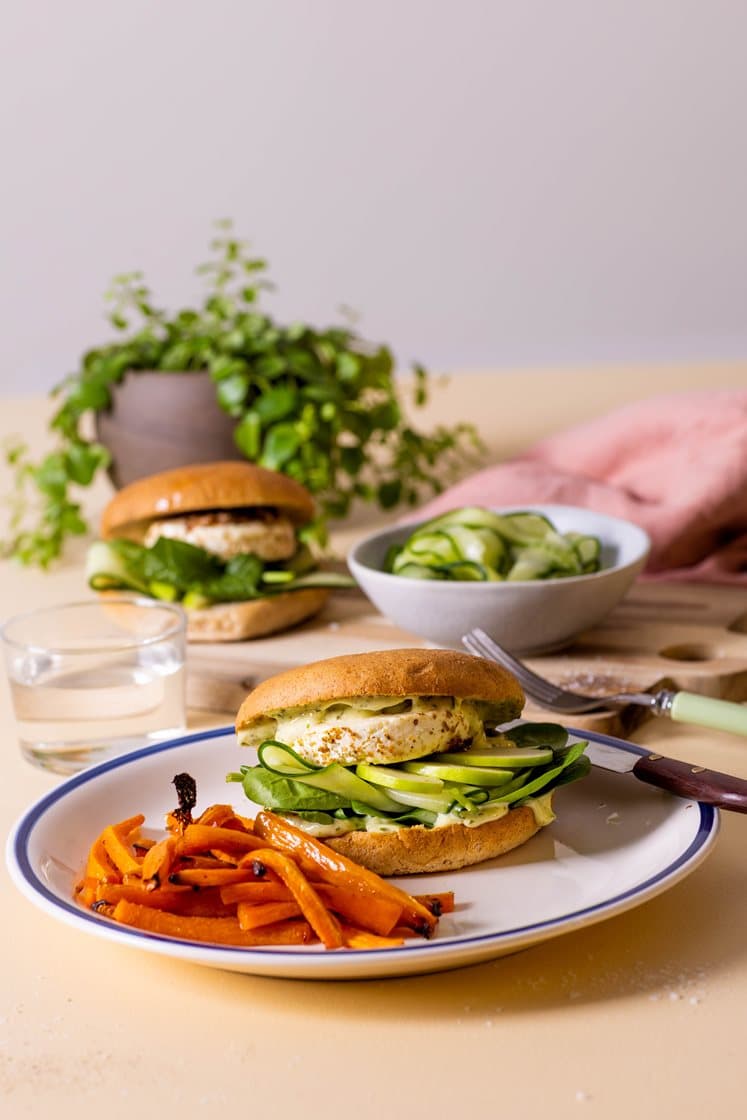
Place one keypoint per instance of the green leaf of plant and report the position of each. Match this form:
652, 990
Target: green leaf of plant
359, 423
271, 366
352, 459
277, 403
389, 493
421, 385
348, 366
51, 476
386, 416
232, 341
82, 460
88, 395
231, 392
71, 521
248, 435
220, 306
225, 365
280, 444
178, 356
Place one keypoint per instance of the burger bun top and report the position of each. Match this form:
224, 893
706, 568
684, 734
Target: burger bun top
225, 485
398, 672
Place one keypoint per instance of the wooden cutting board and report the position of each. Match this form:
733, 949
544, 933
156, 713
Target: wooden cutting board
672, 635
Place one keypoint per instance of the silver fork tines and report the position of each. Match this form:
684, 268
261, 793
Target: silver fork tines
547, 694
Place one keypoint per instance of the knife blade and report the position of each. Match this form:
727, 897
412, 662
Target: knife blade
683, 779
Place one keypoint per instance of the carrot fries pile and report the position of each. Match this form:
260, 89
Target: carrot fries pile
227, 880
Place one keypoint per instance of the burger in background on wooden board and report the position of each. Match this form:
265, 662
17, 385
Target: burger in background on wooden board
222, 539
394, 758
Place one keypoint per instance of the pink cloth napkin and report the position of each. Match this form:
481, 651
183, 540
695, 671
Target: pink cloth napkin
676, 465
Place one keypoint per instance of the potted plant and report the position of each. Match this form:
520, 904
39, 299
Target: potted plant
223, 379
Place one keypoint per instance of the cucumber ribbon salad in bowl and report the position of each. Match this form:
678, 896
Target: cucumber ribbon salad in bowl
521, 765
473, 543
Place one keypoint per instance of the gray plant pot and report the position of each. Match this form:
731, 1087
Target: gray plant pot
158, 420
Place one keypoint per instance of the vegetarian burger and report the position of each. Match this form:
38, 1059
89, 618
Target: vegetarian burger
223, 539
393, 758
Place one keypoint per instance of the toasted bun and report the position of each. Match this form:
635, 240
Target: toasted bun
203, 486
396, 672
235, 622
417, 850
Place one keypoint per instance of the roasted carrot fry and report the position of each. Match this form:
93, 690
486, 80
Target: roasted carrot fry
201, 838
217, 816
361, 939
115, 839
85, 890
219, 931
208, 860
377, 914
99, 866
442, 902
138, 891
212, 877
226, 858
159, 860
324, 924
247, 822
257, 891
126, 827
203, 904
332, 867
265, 913
178, 900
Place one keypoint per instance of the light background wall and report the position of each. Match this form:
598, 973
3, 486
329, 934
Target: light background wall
491, 184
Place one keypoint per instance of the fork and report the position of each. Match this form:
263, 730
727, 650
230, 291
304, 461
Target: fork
684, 707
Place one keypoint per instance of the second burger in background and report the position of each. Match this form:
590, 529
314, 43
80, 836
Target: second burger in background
223, 539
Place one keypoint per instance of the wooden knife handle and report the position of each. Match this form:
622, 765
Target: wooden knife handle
696, 782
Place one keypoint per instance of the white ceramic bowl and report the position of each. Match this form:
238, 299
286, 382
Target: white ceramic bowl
531, 616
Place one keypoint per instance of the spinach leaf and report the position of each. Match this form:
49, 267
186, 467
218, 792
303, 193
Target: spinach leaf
180, 564
550, 735
240, 580
274, 791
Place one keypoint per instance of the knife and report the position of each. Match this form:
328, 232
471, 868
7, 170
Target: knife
681, 778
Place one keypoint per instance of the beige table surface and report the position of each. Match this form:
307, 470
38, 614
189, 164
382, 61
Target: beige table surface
642, 1015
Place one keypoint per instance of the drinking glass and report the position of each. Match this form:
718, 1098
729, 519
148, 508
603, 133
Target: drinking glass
94, 679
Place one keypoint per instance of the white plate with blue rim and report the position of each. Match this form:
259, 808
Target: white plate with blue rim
615, 844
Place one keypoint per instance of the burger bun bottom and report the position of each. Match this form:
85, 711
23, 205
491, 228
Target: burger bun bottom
254, 618
418, 850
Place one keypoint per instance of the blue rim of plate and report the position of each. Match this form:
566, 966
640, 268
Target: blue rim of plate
26, 878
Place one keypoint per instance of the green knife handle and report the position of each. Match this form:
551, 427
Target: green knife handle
696, 782
689, 707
